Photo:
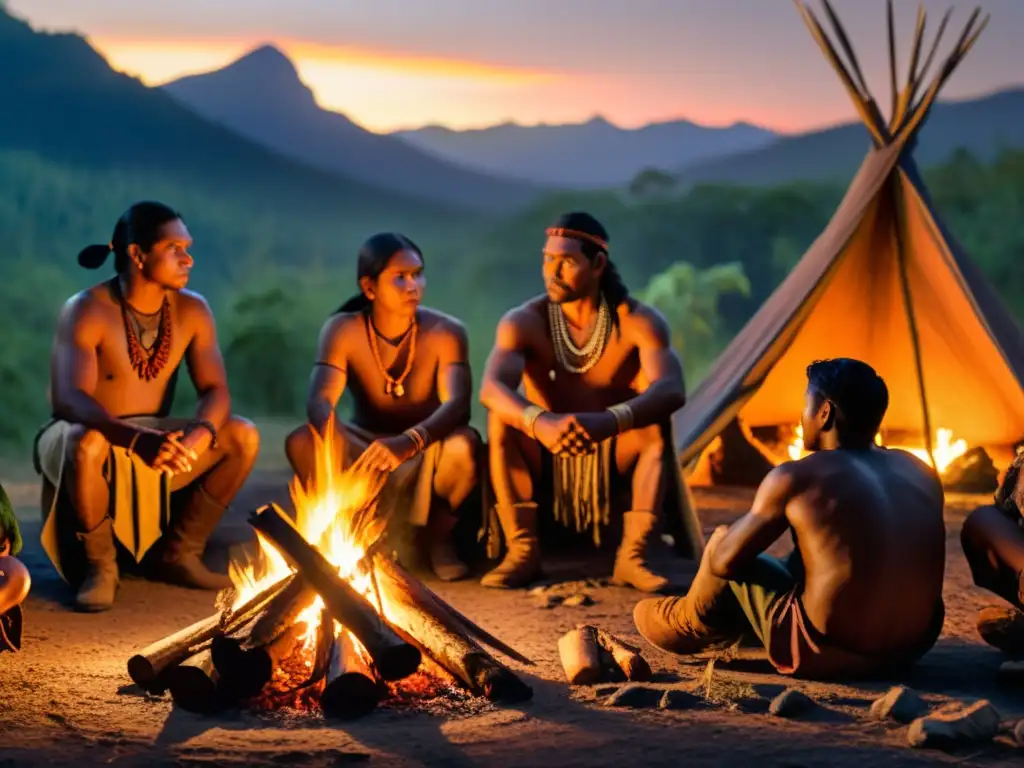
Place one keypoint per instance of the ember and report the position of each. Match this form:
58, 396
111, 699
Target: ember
321, 618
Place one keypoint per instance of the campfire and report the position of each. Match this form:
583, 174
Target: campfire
322, 616
946, 449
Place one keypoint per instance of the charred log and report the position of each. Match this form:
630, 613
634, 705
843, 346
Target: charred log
352, 689
445, 642
146, 667
193, 684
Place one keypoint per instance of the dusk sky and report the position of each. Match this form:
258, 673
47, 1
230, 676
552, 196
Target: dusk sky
467, 63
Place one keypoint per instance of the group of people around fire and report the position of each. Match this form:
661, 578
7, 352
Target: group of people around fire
579, 389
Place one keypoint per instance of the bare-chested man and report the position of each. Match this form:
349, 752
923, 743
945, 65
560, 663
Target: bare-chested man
993, 541
116, 470
407, 369
14, 578
861, 594
580, 379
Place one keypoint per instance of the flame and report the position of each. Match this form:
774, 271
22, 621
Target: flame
325, 509
946, 449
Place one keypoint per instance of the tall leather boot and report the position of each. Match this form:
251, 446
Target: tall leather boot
630, 561
522, 561
181, 557
97, 591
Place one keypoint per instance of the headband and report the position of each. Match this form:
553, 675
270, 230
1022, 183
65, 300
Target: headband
575, 234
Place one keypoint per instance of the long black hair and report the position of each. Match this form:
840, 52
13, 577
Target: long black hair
140, 225
374, 256
612, 286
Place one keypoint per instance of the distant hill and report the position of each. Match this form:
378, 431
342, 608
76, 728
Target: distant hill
982, 126
261, 97
62, 102
586, 155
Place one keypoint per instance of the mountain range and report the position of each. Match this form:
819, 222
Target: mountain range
980, 125
63, 102
587, 155
261, 97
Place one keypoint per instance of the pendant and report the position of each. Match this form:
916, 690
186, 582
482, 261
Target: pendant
399, 390
387, 387
551, 374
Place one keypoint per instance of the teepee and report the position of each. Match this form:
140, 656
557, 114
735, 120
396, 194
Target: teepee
885, 283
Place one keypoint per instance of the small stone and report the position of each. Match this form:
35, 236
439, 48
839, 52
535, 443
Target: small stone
635, 696
547, 601
789, 703
1011, 672
676, 698
578, 599
542, 589
900, 704
955, 727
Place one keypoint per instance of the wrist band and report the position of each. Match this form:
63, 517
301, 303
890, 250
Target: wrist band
419, 436
530, 415
195, 423
623, 416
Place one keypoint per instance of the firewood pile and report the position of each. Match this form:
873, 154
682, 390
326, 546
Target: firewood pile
261, 649
324, 618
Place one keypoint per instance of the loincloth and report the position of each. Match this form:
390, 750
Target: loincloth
140, 503
409, 490
770, 601
582, 490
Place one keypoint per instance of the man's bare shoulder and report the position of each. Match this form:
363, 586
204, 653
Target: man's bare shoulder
642, 321
531, 315
193, 304
87, 305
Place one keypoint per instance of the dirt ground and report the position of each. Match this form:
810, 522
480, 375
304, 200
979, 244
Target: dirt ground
66, 699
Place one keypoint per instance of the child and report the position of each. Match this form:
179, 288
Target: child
14, 578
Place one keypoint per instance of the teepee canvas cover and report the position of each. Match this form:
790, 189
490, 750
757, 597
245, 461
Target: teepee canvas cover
885, 283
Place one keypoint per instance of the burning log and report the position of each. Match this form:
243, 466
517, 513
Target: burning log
393, 657
193, 684
246, 662
352, 689
408, 610
147, 667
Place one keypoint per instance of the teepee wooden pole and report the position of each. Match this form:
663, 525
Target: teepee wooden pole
899, 232
906, 96
894, 116
860, 100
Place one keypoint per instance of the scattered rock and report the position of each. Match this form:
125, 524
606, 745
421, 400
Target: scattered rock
790, 703
1011, 672
635, 696
901, 704
546, 601
956, 726
677, 698
578, 599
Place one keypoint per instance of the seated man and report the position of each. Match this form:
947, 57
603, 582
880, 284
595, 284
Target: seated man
14, 579
993, 541
861, 594
115, 468
408, 371
580, 380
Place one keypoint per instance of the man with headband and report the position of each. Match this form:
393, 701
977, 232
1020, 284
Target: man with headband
117, 472
580, 386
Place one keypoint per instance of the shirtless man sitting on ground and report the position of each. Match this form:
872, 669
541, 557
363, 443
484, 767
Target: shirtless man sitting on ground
861, 594
993, 541
407, 369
